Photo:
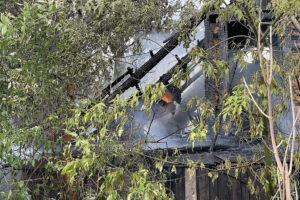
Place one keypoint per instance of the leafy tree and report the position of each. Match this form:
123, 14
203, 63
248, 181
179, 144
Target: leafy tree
53, 54
56, 55
256, 100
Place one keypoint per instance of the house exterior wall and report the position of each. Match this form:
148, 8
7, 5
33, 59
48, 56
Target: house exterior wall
226, 187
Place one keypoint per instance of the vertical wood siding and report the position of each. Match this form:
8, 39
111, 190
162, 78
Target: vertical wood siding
226, 187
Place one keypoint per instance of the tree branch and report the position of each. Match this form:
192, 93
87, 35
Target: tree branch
294, 123
260, 110
296, 23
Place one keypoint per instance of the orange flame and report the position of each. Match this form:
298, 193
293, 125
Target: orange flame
167, 97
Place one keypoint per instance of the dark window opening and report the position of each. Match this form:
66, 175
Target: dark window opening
213, 18
236, 29
239, 29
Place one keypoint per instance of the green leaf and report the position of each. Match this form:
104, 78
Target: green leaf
86, 117
239, 14
159, 166
209, 175
146, 197
174, 169
4, 30
4, 19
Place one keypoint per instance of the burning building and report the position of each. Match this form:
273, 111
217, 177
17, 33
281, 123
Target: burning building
167, 126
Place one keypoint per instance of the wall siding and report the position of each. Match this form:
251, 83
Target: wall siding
226, 187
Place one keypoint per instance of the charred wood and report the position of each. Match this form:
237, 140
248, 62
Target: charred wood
144, 69
152, 62
151, 53
106, 90
182, 64
231, 77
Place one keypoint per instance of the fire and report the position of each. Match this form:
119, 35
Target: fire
168, 97
171, 94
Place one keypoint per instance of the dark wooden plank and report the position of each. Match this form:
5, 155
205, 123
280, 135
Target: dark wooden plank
223, 189
248, 175
261, 192
179, 191
213, 189
251, 196
245, 190
190, 184
236, 188
202, 185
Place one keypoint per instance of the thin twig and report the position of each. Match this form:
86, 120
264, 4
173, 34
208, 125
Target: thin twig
279, 143
35, 169
271, 57
276, 192
179, 129
267, 146
290, 136
260, 110
229, 38
146, 140
260, 53
294, 122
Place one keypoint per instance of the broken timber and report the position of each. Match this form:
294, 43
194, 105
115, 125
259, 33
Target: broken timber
182, 63
135, 78
106, 90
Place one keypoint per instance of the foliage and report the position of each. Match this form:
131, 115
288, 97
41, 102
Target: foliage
56, 56
250, 101
53, 55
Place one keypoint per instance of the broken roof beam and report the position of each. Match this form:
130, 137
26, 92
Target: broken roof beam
182, 64
106, 90
152, 62
145, 68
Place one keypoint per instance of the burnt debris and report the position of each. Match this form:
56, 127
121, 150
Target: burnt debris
135, 78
